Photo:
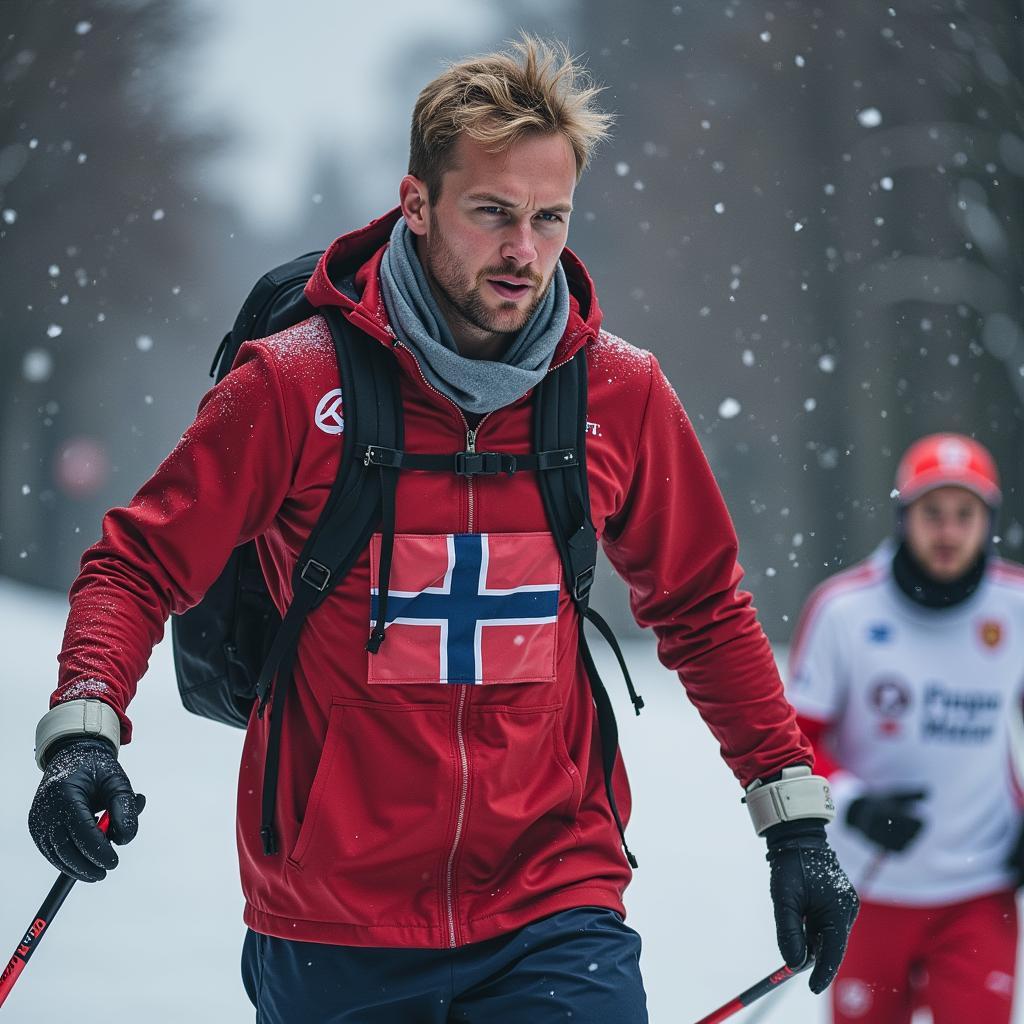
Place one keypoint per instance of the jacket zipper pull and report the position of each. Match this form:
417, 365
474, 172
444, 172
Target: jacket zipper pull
470, 440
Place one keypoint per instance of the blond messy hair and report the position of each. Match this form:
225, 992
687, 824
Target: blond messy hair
498, 98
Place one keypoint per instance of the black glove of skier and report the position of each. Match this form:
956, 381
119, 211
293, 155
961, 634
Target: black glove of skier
815, 904
82, 777
887, 819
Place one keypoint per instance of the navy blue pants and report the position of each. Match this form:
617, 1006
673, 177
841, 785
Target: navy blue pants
580, 965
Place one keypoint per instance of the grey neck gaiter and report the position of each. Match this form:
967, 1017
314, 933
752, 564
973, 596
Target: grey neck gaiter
476, 385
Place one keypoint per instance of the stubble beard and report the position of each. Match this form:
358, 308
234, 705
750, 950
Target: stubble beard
464, 301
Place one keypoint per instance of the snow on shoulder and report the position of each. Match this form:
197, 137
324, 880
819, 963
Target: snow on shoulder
611, 355
302, 350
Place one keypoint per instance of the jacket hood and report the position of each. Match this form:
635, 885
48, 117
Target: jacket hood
348, 276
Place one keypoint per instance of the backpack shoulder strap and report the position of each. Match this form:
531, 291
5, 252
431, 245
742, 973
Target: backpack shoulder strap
373, 416
560, 421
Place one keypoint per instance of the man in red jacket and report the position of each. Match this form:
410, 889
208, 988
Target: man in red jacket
445, 847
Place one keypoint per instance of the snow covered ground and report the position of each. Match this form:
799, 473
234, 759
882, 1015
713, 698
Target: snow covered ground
159, 940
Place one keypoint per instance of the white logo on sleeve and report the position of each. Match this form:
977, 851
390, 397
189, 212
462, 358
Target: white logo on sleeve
329, 411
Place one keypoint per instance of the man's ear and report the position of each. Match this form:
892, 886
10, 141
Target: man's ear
414, 199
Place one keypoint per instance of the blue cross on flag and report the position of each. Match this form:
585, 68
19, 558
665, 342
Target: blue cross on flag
469, 608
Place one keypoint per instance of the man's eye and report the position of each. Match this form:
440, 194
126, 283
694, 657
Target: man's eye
551, 218
492, 210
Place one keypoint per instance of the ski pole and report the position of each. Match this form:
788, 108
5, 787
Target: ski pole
871, 871
767, 984
44, 916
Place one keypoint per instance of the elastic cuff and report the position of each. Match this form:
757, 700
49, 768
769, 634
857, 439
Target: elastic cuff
78, 741
82, 718
790, 832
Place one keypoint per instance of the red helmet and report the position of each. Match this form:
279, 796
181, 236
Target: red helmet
947, 460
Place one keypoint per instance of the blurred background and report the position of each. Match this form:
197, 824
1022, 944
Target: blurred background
812, 214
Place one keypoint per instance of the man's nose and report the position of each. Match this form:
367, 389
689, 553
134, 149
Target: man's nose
518, 244
951, 531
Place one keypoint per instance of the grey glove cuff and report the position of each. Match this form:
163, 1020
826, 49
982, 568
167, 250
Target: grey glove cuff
85, 718
796, 794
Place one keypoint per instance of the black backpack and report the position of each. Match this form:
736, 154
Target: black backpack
233, 650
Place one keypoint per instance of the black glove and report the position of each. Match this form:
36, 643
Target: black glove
1015, 861
82, 777
887, 819
815, 904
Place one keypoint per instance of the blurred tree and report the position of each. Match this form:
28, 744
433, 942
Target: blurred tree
811, 214
928, 220
100, 232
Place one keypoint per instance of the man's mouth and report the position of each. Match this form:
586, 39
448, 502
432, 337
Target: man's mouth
510, 287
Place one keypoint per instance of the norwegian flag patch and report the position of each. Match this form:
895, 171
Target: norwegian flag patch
468, 608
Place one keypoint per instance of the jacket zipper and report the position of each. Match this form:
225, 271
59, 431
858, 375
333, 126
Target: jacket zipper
460, 821
449, 881
470, 433
470, 447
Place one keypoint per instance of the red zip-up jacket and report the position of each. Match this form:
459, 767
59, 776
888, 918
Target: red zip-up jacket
424, 815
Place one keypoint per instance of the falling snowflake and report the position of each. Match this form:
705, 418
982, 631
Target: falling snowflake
37, 365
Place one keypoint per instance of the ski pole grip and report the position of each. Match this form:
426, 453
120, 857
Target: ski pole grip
104, 820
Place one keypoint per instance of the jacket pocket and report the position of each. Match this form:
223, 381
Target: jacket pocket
374, 827
525, 795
